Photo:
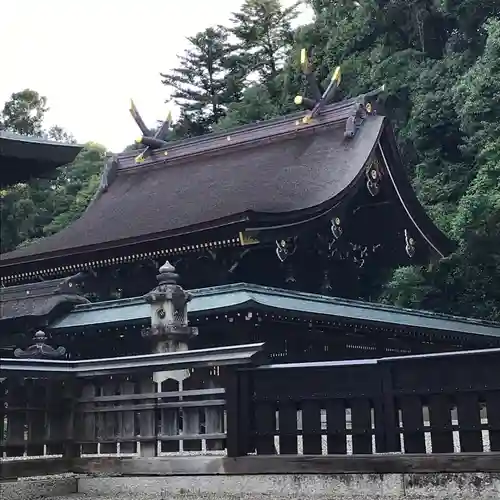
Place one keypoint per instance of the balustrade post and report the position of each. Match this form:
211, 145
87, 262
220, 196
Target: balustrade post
387, 423
71, 431
239, 411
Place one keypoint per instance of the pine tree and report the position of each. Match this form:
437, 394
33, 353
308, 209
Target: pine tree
264, 31
205, 81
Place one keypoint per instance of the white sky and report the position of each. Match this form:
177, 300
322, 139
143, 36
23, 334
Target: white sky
89, 57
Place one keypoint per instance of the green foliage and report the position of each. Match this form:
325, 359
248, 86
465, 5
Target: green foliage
244, 79
24, 112
75, 186
206, 80
256, 105
264, 33
467, 283
17, 216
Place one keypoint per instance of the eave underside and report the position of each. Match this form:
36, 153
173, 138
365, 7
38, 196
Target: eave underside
23, 158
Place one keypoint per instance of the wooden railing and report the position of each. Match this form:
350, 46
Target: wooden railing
217, 401
36, 416
129, 415
445, 403
146, 405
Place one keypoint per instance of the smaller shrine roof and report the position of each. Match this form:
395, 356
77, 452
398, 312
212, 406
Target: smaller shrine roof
243, 295
39, 301
23, 157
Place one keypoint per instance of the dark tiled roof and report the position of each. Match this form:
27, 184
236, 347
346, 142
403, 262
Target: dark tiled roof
24, 157
39, 300
273, 168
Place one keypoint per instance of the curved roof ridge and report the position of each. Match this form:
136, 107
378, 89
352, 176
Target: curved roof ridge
328, 114
237, 138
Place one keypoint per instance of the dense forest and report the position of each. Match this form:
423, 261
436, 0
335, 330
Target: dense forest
440, 62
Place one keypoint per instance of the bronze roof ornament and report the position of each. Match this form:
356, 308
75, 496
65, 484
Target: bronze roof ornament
363, 105
320, 100
148, 139
40, 350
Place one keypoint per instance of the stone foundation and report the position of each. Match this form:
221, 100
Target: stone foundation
295, 487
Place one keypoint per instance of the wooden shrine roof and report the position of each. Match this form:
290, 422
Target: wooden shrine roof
22, 157
39, 301
277, 173
280, 302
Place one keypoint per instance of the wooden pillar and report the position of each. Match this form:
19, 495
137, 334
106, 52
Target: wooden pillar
239, 412
71, 392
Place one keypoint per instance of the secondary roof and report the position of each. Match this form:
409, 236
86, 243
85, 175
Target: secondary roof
241, 295
39, 302
22, 157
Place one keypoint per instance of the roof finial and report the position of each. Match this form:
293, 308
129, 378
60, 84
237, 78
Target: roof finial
148, 139
319, 100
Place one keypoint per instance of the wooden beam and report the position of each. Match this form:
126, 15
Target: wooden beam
303, 464
216, 356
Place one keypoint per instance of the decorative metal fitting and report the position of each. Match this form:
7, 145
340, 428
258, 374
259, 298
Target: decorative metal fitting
373, 178
336, 228
285, 248
409, 245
